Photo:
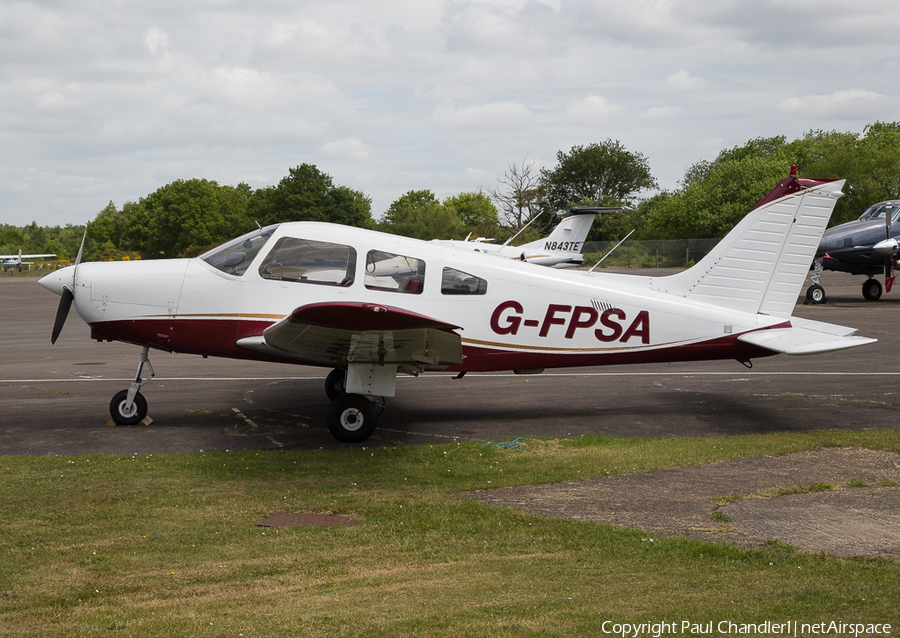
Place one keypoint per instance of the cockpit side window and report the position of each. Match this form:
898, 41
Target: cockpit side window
457, 282
875, 212
394, 273
310, 262
878, 211
234, 257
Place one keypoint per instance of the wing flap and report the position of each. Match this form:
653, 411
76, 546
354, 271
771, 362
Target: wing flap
340, 333
799, 340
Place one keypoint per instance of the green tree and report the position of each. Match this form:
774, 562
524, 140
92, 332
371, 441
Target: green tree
600, 174
476, 211
711, 207
177, 217
878, 170
308, 194
419, 214
11, 239
833, 155
714, 196
56, 248
110, 225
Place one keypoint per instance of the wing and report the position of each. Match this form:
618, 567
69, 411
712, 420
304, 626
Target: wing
27, 256
805, 337
339, 333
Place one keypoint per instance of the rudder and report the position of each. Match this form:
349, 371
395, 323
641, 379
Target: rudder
760, 266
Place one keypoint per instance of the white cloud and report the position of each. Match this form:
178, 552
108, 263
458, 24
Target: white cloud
156, 40
497, 115
839, 104
592, 109
661, 113
110, 101
350, 149
683, 80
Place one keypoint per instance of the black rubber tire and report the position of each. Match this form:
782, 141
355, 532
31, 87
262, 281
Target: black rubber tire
335, 383
351, 418
815, 293
871, 290
117, 406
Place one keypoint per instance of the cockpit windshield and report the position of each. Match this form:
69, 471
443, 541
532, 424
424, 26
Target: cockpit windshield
877, 211
234, 257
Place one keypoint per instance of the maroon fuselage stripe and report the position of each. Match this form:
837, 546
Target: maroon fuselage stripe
218, 337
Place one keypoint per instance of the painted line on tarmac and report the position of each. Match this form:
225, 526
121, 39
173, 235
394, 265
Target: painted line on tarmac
158, 378
476, 375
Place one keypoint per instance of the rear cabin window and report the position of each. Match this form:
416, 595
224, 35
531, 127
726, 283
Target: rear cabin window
310, 262
457, 282
394, 273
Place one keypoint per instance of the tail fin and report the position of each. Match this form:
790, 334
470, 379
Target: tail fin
761, 264
570, 233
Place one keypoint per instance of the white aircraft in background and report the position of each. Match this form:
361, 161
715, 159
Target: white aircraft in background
372, 306
14, 262
560, 249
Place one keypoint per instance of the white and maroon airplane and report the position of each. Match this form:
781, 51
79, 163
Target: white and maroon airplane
372, 306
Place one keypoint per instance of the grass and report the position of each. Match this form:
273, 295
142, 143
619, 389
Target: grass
167, 545
798, 489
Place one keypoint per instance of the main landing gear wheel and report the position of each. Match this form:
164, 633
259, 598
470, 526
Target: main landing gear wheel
351, 418
336, 383
815, 293
123, 416
871, 289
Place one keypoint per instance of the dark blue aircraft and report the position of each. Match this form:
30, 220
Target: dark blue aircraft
867, 246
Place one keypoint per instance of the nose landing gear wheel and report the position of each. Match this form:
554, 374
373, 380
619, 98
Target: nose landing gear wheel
351, 418
123, 416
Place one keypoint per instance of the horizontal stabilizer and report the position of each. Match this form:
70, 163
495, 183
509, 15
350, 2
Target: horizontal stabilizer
799, 340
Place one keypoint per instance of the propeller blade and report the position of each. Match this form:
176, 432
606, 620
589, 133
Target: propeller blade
888, 260
81, 248
67, 297
62, 311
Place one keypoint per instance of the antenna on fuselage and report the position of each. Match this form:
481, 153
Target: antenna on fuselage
611, 252
523, 228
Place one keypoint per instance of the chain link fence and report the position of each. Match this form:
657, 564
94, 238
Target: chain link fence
655, 253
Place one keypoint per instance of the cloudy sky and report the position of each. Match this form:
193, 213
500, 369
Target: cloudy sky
107, 100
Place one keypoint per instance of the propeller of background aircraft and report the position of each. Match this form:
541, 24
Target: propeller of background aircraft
889, 248
888, 263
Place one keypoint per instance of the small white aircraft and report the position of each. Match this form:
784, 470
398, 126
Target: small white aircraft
14, 262
560, 249
372, 306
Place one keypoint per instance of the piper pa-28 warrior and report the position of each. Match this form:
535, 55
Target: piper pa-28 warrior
372, 306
